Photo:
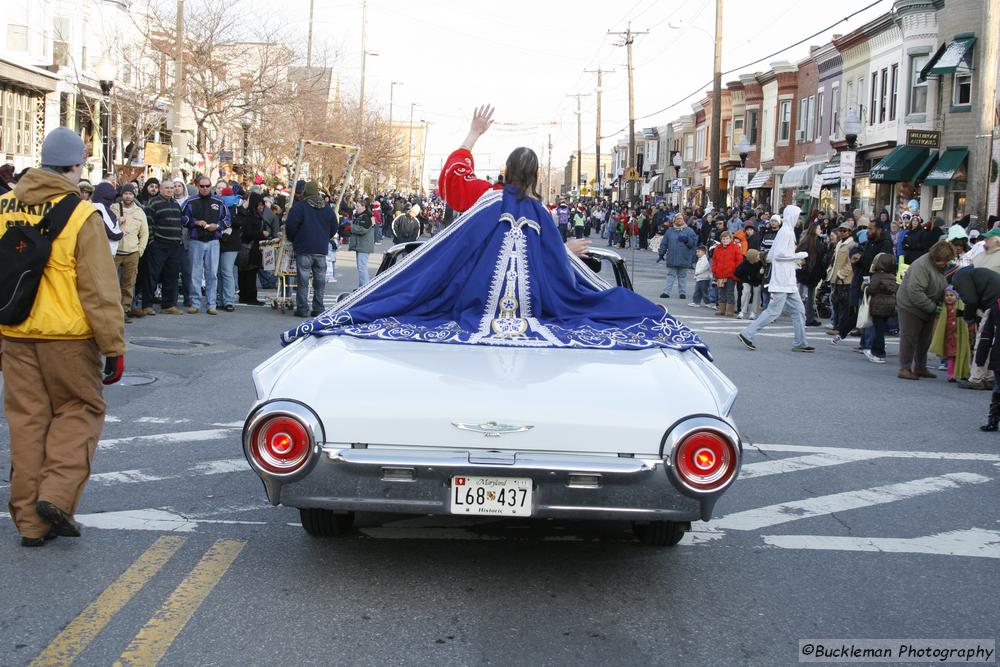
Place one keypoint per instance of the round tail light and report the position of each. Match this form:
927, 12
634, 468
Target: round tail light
706, 460
280, 444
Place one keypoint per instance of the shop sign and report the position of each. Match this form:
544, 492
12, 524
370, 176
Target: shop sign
846, 189
847, 161
817, 186
157, 155
924, 138
937, 204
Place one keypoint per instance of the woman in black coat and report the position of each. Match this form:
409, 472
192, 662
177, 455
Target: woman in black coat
812, 271
251, 226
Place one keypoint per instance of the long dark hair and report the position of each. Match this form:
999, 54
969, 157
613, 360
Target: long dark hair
522, 172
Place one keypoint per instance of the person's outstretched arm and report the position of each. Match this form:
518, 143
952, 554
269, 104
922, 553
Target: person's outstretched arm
460, 187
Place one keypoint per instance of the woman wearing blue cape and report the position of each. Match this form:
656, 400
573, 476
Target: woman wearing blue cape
499, 275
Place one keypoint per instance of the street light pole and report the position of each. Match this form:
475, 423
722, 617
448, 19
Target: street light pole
106, 70
364, 57
579, 144
597, 138
245, 122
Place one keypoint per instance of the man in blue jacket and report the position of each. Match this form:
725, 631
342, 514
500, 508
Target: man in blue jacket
310, 226
206, 217
677, 248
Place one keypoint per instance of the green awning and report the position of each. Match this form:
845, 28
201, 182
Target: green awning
921, 173
902, 164
949, 162
955, 55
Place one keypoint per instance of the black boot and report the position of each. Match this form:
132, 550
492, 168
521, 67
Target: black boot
993, 419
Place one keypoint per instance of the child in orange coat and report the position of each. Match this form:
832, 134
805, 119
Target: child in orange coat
726, 257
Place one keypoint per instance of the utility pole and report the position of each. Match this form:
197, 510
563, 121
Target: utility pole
597, 138
716, 147
423, 152
629, 35
364, 58
985, 88
409, 151
548, 194
392, 132
309, 40
579, 144
175, 134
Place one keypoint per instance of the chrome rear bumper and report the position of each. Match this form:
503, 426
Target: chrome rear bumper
417, 481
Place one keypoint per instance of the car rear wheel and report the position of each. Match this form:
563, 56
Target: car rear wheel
660, 533
325, 523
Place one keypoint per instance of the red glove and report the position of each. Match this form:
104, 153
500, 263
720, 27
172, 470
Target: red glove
113, 369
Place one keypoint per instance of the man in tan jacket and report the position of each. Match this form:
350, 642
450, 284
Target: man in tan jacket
135, 230
839, 277
52, 360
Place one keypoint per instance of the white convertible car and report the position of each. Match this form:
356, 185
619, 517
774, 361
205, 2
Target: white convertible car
344, 424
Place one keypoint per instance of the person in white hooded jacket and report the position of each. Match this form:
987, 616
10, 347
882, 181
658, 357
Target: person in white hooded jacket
783, 287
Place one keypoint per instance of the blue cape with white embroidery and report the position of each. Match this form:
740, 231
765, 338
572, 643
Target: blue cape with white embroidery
500, 275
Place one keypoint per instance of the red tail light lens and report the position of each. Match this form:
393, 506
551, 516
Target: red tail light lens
280, 444
706, 460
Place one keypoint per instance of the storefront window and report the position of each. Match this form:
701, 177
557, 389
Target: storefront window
16, 122
827, 200
904, 193
958, 190
864, 195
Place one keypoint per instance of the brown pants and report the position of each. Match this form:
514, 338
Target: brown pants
53, 403
915, 337
128, 267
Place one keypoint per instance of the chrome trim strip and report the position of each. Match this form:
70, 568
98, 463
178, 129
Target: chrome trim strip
584, 465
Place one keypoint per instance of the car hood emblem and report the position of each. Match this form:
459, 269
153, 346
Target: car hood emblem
493, 429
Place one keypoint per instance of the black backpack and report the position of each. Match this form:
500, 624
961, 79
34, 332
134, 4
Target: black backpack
24, 252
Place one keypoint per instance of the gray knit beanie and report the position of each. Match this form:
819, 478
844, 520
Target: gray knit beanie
62, 148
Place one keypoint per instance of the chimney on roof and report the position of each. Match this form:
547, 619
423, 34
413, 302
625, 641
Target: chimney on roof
813, 49
836, 36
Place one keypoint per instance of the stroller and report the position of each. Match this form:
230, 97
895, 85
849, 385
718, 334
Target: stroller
823, 308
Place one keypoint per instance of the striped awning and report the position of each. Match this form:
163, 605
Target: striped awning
801, 175
759, 179
651, 184
831, 173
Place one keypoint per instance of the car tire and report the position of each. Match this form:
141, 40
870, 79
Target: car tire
660, 533
325, 523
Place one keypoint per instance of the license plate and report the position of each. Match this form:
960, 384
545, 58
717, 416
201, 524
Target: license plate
493, 496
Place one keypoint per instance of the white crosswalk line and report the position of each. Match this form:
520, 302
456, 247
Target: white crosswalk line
166, 438
218, 467
975, 542
888, 453
159, 519
772, 515
794, 464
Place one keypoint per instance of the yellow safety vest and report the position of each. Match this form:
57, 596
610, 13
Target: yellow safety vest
57, 313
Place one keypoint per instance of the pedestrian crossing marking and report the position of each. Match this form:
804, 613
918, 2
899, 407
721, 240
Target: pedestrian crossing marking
152, 642
772, 515
973, 543
82, 630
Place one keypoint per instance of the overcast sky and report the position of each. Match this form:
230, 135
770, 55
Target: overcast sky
525, 57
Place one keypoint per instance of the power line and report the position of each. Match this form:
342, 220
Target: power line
702, 87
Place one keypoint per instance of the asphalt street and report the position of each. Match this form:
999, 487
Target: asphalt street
866, 508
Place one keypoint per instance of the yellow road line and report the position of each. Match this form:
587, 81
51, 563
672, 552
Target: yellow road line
151, 644
76, 636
